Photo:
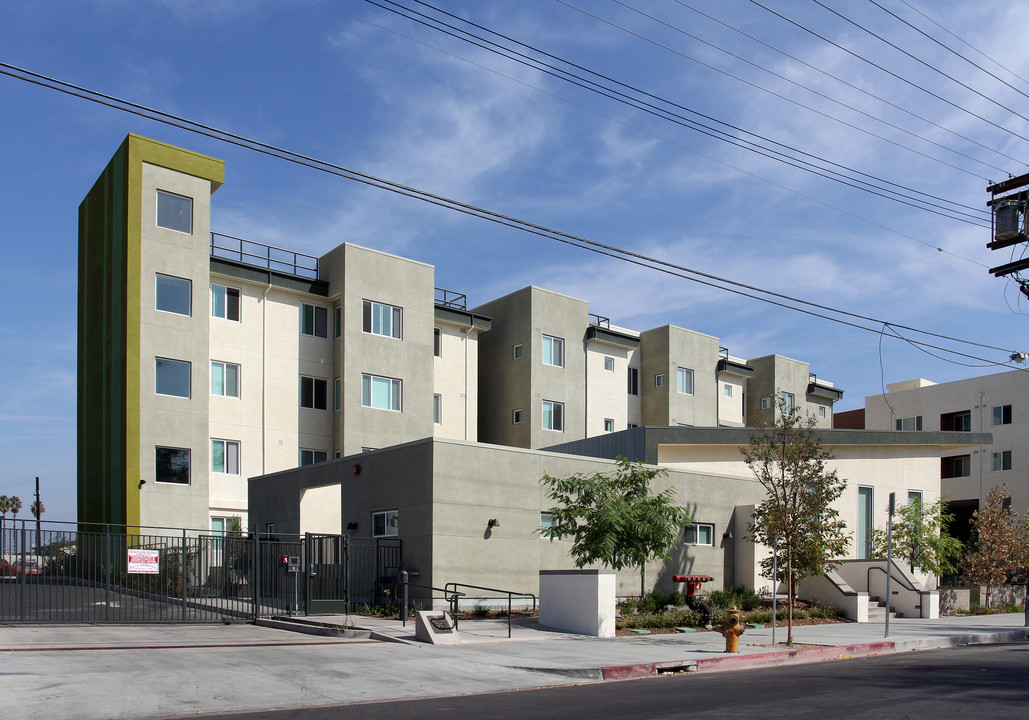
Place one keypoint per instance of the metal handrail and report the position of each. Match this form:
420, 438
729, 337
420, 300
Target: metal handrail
301, 264
405, 605
901, 579
509, 593
451, 299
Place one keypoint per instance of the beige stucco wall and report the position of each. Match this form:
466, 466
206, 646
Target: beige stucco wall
174, 421
455, 379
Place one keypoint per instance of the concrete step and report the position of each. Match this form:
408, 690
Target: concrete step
311, 627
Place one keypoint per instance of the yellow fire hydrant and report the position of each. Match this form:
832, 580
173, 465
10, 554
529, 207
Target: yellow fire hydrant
732, 629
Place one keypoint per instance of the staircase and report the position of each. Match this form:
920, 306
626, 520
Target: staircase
877, 610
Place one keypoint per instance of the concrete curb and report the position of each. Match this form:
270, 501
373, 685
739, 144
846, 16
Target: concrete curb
807, 655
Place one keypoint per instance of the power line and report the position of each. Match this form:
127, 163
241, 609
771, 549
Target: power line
861, 90
899, 49
888, 72
708, 279
702, 128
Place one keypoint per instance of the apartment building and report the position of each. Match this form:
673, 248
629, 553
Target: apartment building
994, 404
553, 372
205, 359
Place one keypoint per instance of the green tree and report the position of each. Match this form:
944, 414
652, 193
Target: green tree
5, 507
614, 519
998, 543
920, 537
15, 506
789, 461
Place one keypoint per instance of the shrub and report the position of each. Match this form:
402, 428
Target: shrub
827, 612
480, 611
683, 617
741, 597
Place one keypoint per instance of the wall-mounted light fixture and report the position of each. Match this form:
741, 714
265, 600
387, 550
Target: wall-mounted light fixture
492, 524
142, 482
351, 526
727, 535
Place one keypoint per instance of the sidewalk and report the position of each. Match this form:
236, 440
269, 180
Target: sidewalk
89, 671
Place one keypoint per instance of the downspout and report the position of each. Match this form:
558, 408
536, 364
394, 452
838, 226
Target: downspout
264, 377
467, 405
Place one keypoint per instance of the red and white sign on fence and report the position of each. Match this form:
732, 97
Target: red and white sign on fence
143, 562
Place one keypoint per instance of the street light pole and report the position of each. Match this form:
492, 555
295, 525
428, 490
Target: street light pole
889, 561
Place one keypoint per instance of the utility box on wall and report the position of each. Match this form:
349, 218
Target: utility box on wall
578, 601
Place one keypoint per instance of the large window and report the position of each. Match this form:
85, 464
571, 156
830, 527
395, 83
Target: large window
225, 302
310, 457
382, 319
634, 381
956, 421
224, 379
547, 524
553, 351
553, 415
381, 392
171, 377
700, 534
314, 393
909, 423
174, 212
958, 466
864, 523
174, 294
609, 425
172, 465
1002, 415
787, 401
314, 320
386, 523
684, 381
1002, 460
225, 457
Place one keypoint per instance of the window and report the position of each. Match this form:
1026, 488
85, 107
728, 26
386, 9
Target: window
684, 381
337, 321
174, 295
314, 320
546, 524
337, 394
385, 320
224, 379
172, 465
437, 408
516, 417
700, 534
634, 381
174, 212
766, 403
914, 495
382, 393
1002, 415
659, 380
786, 401
553, 351
313, 393
609, 364
225, 302
385, 523
909, 423
727, 391
553, 415
437, 342
609, 425
864, 523
310, 457
821, 411
957, 466
225, 457
516, 352
956, 421
217, 532
630, 426
172, 377
1002, 460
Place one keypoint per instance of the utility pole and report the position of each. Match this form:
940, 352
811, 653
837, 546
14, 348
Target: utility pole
1009, 200
39, 507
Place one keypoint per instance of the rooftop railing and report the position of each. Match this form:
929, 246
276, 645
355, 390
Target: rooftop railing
451, 299
258, 254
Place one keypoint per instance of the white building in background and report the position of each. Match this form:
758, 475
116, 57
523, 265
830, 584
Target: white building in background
996, 404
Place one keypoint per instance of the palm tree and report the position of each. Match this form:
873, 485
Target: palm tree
15, 507
5, 507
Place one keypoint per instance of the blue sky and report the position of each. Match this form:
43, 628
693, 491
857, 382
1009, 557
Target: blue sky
348, 82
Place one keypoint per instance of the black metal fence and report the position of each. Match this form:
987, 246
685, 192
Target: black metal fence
67, 574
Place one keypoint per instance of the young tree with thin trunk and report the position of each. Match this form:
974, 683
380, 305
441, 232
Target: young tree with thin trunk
920, 537
999, 543
614, 519
790, 463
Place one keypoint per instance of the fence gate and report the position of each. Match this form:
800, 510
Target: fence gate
326, 573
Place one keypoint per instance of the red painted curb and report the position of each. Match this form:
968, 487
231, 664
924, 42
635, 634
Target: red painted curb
622, 672
784, 657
